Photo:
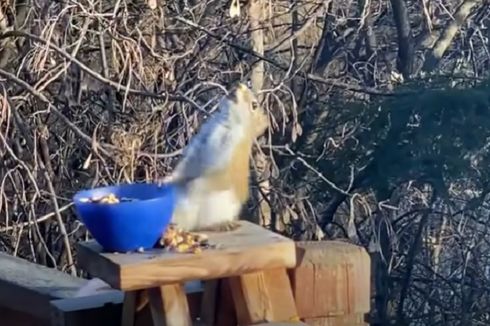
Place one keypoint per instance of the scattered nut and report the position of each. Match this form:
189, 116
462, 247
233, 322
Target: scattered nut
197, 250
181, 241
182, 247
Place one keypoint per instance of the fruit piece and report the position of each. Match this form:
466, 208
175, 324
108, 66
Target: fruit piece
189, 238
295, 319
197, 250
182, 247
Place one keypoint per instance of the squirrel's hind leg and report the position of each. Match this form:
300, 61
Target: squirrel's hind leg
221, 227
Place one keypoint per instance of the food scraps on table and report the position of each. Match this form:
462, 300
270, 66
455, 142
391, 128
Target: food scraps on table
175, 239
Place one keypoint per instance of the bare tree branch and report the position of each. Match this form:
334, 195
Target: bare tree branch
434, 56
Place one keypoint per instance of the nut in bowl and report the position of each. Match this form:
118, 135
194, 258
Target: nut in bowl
107, 199
126, 217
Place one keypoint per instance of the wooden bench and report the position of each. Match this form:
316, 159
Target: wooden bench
330, 283
31, 294
28, 288
251, 261
35, 295
106, 308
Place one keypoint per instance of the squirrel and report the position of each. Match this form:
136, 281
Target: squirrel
212, 176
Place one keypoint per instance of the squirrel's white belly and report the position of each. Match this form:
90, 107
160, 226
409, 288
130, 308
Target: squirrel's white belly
198, 208
218, 207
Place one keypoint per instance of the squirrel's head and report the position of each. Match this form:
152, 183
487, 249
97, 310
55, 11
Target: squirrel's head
247, 107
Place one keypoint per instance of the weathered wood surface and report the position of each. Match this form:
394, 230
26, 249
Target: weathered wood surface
344, 320
107, 308
209, 302
247, 249
332, 279
169, 306
95, 309
297, 323
225, 313
28, 287
10, 317
129, 308
263, 296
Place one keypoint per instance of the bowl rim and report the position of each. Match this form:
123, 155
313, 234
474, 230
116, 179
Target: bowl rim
78, 195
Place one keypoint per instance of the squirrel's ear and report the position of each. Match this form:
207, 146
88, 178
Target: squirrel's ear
242, 87
233, 94
241, 93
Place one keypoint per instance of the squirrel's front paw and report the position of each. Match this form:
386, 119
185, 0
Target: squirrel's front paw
222, 227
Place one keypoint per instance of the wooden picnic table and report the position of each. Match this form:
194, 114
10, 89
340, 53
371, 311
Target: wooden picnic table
251, 260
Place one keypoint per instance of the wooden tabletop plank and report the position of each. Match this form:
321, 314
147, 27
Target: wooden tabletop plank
247, 249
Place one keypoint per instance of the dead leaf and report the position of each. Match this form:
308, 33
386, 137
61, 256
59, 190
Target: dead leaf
87, 162
297, 131
152, 4
235, 8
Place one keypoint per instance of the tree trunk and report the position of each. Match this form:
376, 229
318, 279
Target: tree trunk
404, 32
256, 9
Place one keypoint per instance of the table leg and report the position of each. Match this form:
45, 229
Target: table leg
225, 310
209, 301
169, 306
129, 308
264, 296
217, 307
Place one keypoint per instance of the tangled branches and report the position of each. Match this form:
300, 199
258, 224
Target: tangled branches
102, 92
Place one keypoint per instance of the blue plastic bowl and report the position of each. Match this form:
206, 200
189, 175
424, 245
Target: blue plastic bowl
127, 225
